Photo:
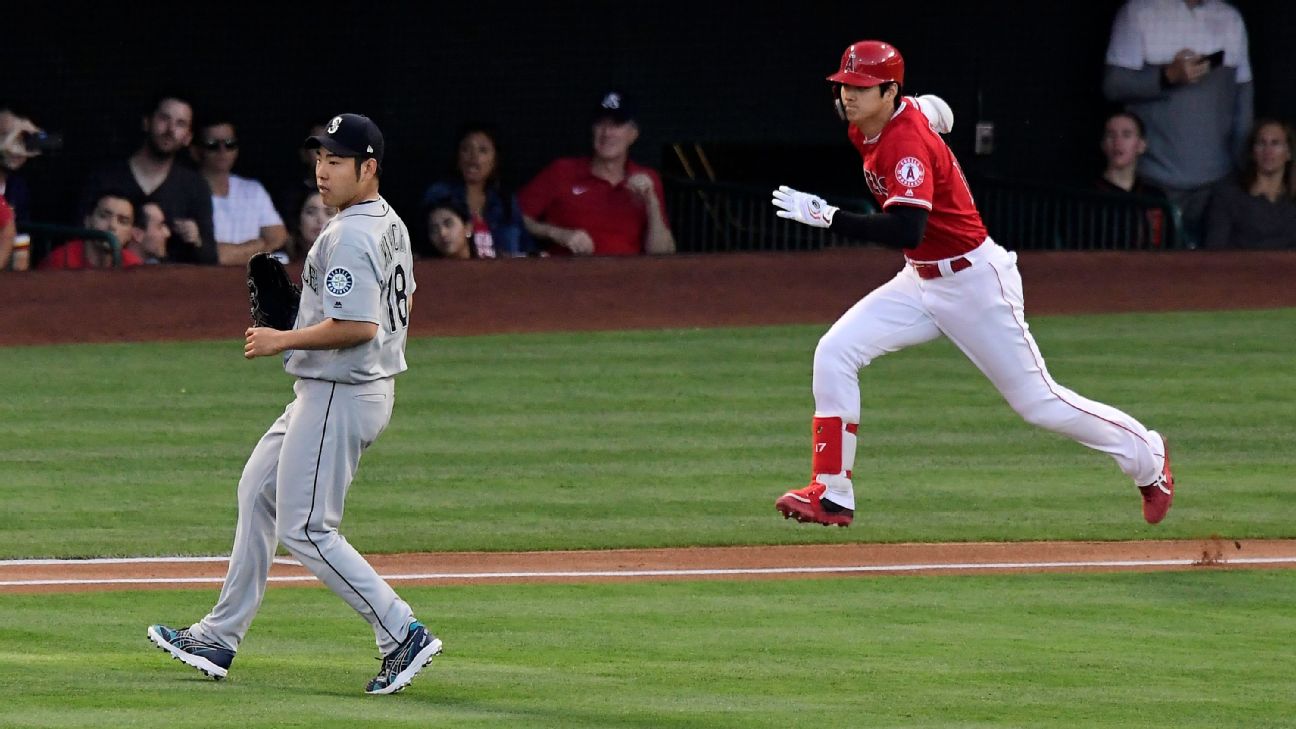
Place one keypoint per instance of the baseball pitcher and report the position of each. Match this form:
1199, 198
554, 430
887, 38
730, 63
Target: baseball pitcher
345, 348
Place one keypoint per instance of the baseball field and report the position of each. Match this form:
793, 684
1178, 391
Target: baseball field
586, 519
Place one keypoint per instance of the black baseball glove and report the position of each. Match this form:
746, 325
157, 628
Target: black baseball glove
274, 297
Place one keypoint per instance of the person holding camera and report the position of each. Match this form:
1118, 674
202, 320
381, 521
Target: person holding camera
20, 140
1183, 67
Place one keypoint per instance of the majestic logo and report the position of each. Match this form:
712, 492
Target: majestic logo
339, 281
333, 125
579, 189
910, 172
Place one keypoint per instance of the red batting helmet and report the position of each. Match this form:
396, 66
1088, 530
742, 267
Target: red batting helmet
870, 63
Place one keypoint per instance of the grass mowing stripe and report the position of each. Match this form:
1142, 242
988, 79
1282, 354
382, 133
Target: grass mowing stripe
654, 438
1199, 649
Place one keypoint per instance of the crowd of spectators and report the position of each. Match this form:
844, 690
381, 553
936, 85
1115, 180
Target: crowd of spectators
176, 199
1181, 136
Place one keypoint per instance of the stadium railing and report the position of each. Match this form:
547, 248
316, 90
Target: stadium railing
713, 217
708, 217
1043, 216
47, 236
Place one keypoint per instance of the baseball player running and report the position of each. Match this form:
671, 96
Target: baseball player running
957, 282
346, 348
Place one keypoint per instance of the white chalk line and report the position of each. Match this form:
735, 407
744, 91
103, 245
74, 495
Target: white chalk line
127, 560
725, 572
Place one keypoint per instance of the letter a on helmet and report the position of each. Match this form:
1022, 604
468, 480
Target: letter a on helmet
870, 63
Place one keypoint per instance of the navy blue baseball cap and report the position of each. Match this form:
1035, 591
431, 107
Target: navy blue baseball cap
615, 106
350, 135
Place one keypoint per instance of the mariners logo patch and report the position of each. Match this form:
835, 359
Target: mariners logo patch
910, 172
339, 281
334, 124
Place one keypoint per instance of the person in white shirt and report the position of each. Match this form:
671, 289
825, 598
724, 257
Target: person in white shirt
244, 219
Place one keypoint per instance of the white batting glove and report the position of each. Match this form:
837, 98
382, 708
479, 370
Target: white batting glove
940, 117
803, 207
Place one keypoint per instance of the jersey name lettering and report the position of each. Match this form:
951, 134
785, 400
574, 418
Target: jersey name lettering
310, 277
876, 183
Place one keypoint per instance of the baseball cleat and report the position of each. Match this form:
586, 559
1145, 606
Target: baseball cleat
401, 666
1158, 495
808, 505
213, 660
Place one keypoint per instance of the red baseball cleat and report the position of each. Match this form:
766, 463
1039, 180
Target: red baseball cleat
1158, 494
808, 505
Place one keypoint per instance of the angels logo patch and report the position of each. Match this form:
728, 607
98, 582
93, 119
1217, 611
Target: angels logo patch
339, 281
910, 172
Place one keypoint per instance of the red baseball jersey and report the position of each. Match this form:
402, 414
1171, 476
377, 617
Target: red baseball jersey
71, 256
909, 164
568, 195
6, 212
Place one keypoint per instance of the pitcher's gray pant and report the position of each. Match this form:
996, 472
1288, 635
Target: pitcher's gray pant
293, 490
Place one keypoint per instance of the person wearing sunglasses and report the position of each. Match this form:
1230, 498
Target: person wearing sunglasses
151, 172
243, 216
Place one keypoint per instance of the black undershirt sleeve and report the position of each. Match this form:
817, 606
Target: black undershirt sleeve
899, 226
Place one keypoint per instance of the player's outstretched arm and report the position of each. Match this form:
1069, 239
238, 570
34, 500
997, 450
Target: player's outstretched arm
900, 226
328, 334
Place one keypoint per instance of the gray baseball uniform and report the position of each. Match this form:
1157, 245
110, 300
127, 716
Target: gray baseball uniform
294, 485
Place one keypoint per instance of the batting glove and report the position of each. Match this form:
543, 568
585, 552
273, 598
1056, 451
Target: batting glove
940, 117
803, 207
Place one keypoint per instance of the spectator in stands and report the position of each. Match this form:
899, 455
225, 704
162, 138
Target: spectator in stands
1123, 142
311, 218
114, 213
291, 197
149, 238
243, 217
450, 229
152, 172
14, 153
1183, 67
495, 217
1258, 208
8, 231
603, 204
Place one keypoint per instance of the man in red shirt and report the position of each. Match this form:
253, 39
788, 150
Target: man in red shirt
8, 231
113, 213
957, 282
604, 204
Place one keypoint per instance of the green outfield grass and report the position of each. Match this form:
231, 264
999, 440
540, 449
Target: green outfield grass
654, 438
1204, 649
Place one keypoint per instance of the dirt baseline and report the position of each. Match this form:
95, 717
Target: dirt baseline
730, 563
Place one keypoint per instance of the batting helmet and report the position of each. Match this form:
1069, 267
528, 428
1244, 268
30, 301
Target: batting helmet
870, 63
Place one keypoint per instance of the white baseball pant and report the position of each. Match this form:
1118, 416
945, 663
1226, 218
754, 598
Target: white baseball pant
981, 310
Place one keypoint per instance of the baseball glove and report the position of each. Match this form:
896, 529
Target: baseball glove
274, 297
